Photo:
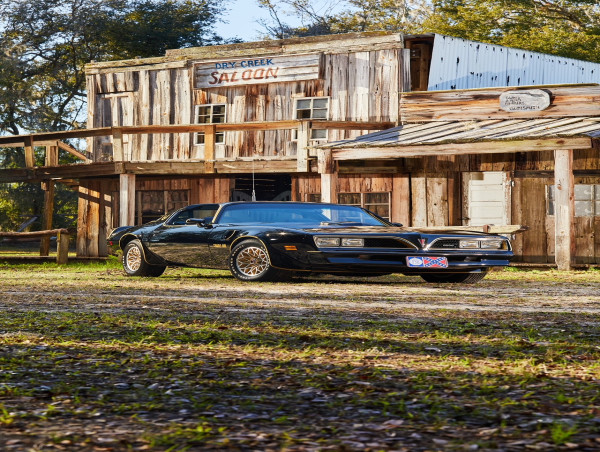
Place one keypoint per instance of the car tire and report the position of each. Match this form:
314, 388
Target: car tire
465, 278
249, 261
134, 263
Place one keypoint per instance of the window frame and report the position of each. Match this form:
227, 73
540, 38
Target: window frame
366, 205
313, 132
219, 136
594, 200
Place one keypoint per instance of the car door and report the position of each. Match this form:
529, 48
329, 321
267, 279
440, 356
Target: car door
180, 243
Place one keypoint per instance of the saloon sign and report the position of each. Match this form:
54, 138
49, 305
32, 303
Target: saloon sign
249, 71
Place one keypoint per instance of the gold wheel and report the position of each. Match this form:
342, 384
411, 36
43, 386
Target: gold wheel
133, 259
252, 261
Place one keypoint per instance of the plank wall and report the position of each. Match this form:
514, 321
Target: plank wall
362, 86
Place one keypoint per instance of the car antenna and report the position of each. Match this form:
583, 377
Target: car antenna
253, 191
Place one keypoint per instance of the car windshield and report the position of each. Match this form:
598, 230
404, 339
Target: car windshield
292, 214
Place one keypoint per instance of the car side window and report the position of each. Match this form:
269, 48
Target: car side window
196, 212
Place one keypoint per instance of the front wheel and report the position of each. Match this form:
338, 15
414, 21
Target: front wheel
249, 261
465, 278
134, 263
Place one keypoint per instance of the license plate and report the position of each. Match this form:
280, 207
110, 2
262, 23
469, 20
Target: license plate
427, 262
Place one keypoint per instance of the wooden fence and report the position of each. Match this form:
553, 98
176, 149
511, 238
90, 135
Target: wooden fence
62, 241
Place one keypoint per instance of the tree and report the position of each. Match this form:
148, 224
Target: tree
346, 16
45, 46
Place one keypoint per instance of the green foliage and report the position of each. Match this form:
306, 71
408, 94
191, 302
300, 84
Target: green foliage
45, 46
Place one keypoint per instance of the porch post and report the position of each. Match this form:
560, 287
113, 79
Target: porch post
127, 200
326, 167
564, 208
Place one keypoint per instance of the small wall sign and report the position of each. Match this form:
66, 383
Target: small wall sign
525, 100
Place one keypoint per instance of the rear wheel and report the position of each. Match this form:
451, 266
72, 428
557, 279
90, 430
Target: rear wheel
249, 261
465, 278
134, 263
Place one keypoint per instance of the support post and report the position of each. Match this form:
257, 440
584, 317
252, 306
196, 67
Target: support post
62, 248
564, 209
48, 212
127, 200
302, 146
117, 138
209, 148
29, 155
326, 167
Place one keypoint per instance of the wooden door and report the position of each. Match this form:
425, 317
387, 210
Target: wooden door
486, 198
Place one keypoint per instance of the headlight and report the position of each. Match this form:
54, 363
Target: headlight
492, 244
353, 242
324, 242
468, 243
328, 242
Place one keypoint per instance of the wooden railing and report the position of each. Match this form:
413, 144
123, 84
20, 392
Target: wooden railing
62, 241
52, 140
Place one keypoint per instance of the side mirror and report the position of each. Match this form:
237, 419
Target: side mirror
200, 222
398, 225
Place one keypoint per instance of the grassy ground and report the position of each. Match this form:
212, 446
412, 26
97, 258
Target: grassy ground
195, 360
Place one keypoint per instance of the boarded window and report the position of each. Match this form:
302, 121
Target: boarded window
210, 114
152, 204
378, 203
587, 200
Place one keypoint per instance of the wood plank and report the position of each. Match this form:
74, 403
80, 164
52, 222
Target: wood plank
477, 104
437, 200
418, 184
488, 147
400, 211
564, 208
62, 248
47, 215
127, 199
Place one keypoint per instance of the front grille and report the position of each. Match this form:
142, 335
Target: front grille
387, 242
445, 244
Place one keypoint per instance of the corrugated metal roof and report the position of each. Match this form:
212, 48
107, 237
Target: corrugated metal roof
462, 64
440, 132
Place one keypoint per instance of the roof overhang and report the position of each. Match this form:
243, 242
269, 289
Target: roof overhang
470, 137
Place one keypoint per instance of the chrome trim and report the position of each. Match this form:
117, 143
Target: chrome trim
478, 238
364, 237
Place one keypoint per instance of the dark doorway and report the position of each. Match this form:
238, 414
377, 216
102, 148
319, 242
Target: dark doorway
268, 187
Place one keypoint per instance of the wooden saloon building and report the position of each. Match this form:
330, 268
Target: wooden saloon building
425, 130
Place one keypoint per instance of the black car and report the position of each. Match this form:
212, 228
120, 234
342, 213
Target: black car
260, 241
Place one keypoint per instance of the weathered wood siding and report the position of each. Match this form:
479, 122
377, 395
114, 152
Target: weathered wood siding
361, 86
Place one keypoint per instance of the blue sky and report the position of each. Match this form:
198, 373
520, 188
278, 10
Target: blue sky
243, 14
242, 17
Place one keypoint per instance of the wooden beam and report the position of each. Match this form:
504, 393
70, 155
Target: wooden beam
47, 214
326, 166
117, 140
71, 150
302, 150
564, 209
62, 248
29, 155
127, 199
51, 156
209, 148
481, 147
478, 104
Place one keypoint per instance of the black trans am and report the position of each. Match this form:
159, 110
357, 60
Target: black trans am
260, 241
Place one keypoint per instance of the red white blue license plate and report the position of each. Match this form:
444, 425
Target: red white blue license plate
427, 262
